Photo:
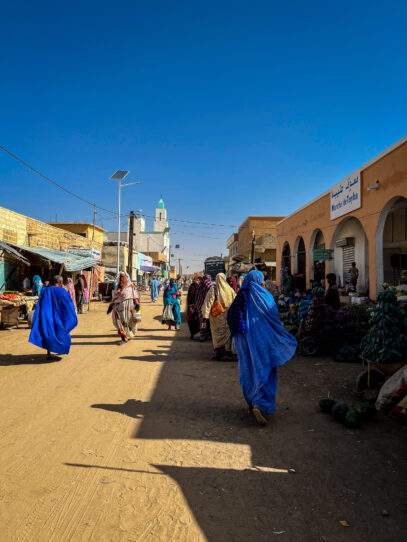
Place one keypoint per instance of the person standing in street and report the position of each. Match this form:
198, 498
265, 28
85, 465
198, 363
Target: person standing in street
202, 290
124, 306
192, 313
80, 293
261, 342
154, 289
37, 285
53, 320
354, 275
215, 307
171, 300
70, 288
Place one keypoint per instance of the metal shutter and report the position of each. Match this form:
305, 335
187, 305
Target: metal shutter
348, 258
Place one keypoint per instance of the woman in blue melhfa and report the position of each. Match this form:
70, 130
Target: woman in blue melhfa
261, 342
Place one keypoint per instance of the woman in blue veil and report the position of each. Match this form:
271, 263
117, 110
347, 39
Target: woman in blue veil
261, 342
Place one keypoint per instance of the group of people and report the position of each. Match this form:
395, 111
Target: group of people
78, 290
244, 323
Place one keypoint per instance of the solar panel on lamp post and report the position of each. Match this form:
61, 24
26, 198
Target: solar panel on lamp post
119, 175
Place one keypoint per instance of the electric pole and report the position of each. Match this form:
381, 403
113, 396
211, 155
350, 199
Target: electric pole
131, 244
253, 245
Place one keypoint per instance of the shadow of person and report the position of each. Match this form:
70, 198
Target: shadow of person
134, 408
26, 359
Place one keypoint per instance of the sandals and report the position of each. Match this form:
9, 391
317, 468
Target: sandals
260, 417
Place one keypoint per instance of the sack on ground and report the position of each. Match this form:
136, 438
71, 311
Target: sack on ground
168, 314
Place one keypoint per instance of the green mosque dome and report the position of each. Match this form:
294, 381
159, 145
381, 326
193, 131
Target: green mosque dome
161, 203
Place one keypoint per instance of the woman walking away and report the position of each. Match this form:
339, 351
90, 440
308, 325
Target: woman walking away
172, 310
203, 289
232, 283
125, 305
261, 342
37, 285
53, 320
192, 313
154, 290
70, 288
215, 307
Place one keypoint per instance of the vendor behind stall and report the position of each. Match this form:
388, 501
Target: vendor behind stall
332, 294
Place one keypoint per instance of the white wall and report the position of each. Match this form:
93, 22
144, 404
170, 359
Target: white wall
351, 228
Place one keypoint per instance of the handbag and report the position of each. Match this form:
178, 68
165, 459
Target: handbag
168, 313
217, 307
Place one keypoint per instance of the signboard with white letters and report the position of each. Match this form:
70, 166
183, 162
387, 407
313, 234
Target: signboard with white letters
346, 196
85, 252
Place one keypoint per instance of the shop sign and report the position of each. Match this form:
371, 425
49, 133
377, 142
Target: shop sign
321, 254
346, 196
85, 252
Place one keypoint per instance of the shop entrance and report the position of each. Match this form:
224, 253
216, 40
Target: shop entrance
349, 244
317, 265
392, 244
300, 264
286, 257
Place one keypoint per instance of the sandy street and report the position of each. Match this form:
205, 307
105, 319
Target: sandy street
150, 441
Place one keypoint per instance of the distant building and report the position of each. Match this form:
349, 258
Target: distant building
157, 240
259, 232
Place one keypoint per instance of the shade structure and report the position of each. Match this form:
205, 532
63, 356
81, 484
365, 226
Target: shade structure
72, 262
15, 255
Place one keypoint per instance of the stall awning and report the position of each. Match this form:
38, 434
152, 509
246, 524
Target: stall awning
148, 269
72, 262
4, 247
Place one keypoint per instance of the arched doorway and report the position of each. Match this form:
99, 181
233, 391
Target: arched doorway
300, 264
391, 243
349, 244
317, 266
286, 256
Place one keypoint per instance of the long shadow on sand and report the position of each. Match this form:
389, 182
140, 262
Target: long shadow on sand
26, 359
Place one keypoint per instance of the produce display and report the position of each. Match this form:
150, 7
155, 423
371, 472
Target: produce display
350, 417
9, 297
303, 309
386, 341
322, 317
348, 354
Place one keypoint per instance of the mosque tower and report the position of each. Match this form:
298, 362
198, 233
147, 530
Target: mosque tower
160, 222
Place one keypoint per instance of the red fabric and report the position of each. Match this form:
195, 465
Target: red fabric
232, 283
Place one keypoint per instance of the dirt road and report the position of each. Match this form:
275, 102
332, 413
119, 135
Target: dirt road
150, 441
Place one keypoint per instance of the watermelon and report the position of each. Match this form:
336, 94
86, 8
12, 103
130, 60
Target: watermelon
339, 411
352, 418
326, 404
362, 410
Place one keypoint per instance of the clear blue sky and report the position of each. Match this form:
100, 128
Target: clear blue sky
226, 108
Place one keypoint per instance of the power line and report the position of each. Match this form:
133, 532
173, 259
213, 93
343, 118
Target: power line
98, 206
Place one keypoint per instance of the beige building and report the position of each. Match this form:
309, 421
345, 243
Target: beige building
258, 233
89, 231
23, 231
362, 218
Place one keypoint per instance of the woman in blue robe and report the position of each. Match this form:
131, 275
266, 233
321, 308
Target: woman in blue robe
171, 297
37, 285
261, 342
154, 289
53, 320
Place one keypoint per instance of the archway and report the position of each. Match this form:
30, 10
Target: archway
286, 256
349, 244
317, 266
391, 243
300, 264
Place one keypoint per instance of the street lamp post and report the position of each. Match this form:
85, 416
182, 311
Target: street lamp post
119, 175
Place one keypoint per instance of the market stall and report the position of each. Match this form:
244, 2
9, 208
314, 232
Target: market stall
14, 307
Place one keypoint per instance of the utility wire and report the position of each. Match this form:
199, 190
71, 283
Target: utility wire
98, 206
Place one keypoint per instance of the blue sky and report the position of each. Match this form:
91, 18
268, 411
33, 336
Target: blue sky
226, 108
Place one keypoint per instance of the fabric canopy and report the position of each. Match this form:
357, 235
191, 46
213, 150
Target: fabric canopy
13, 253
72, 262
148, 269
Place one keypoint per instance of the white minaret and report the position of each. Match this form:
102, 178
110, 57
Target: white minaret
160, 222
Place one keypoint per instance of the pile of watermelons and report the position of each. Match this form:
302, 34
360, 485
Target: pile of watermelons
340, 412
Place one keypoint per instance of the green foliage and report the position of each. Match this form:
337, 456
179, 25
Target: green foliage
386, 341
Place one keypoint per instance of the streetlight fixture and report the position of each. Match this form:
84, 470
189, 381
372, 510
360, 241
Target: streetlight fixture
119, 175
